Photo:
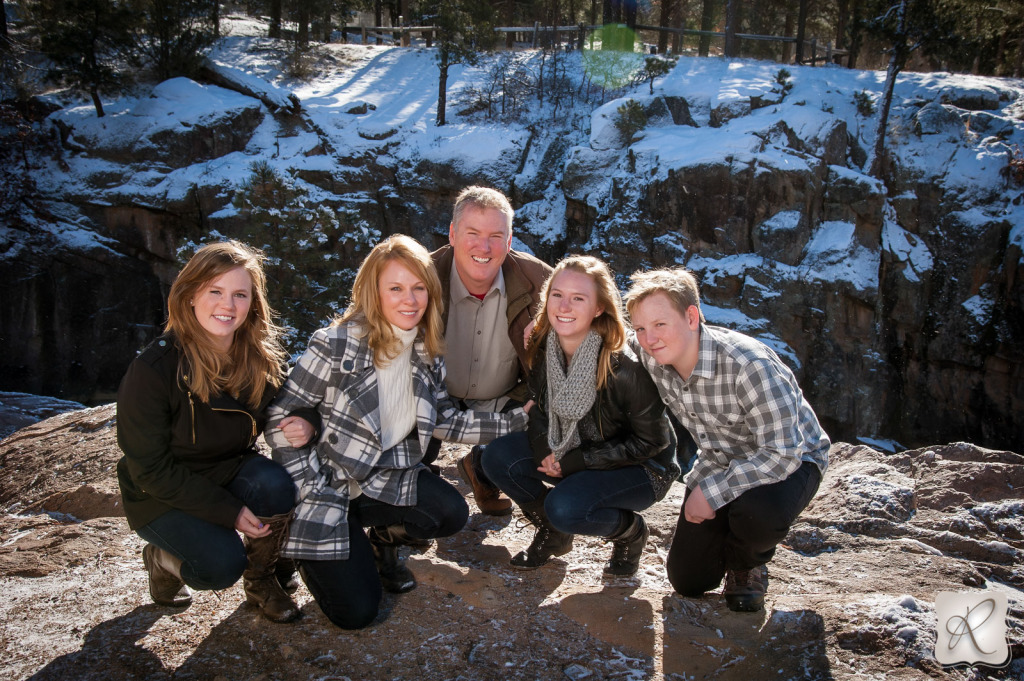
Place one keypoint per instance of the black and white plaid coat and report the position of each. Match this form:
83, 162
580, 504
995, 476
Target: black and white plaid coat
336, 376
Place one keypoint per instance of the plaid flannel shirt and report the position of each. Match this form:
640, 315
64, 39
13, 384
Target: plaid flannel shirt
336, 376
745, 409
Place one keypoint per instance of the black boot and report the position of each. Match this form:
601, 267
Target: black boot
286, 574
394, 575
627, 545
546, 543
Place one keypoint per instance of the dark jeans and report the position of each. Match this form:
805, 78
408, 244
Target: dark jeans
742, 535
587, 502
348, 591
212, 556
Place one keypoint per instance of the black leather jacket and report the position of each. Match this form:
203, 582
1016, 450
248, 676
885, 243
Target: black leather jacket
630, 419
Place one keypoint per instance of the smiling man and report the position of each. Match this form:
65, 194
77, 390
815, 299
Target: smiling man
762, 452
491, 293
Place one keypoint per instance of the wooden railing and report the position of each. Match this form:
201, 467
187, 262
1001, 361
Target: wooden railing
538, 34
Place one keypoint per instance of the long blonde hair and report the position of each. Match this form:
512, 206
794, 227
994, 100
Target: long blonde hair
608, 324
256, 357
365, 306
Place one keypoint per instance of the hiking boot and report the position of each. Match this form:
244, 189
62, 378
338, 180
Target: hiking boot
488, 498
744, 589
628, 546
547, 542
262, 587
394, 575
166, 587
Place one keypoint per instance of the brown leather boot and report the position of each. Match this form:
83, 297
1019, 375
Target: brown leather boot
489, 498
744, 589
166, 586
262, 587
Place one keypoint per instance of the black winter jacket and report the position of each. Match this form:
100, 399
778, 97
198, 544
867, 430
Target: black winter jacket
629, 416
179, 452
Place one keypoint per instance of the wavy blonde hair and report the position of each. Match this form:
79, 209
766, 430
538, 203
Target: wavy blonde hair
365, 306
256, 357
608, 324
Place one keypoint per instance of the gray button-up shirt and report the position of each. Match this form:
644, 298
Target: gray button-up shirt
482, 363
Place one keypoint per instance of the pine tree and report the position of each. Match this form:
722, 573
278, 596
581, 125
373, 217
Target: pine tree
463, 28
178, 34
89, 42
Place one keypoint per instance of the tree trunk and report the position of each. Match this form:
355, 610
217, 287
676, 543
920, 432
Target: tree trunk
275, 19
326, 24
801, 31
96, 102
303, 20
378, 17
442, 85
677, 22
215, 17
787, 48
1019, 61
856, 32
707, 23
4, 37
668, 10
732, 16
896, 61
842, 19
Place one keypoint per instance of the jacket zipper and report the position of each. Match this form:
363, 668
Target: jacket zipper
192, 410
240, 411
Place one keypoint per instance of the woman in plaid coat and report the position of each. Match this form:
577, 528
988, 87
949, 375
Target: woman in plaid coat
377, 378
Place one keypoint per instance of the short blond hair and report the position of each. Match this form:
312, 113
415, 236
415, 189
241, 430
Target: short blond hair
480, 198
677, 283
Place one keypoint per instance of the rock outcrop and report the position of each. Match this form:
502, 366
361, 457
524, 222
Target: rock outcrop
851, 596
898, 301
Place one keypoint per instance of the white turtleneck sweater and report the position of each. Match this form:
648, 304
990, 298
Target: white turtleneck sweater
394, 390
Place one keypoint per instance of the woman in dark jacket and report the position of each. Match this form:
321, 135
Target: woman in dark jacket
189, 410
598, 433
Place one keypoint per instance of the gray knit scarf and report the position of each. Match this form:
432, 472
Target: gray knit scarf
570, 396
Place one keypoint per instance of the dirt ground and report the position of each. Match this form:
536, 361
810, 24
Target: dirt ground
848, 605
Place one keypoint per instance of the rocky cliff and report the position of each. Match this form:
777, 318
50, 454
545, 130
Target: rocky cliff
851, 596
897, 301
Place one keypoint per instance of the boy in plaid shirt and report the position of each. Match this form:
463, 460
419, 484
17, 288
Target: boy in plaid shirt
762, 450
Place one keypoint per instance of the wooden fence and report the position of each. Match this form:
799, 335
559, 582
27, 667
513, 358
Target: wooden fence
539, 35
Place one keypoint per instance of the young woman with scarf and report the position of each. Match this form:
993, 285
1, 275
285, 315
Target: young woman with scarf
599, 448
377, 378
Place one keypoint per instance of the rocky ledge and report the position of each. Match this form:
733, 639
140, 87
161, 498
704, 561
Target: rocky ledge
852, 590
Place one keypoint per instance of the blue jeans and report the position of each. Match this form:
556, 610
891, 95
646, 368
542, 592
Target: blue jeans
593, 502
348, 591
213, 556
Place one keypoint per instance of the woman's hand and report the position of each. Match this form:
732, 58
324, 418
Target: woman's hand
529, 404
296, 430
550, 467
248, 524
697, 509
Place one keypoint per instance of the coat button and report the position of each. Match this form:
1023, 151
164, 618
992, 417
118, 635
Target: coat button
332, 438
347, 365
163, 343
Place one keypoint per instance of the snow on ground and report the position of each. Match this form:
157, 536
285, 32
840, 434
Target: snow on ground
382, 101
